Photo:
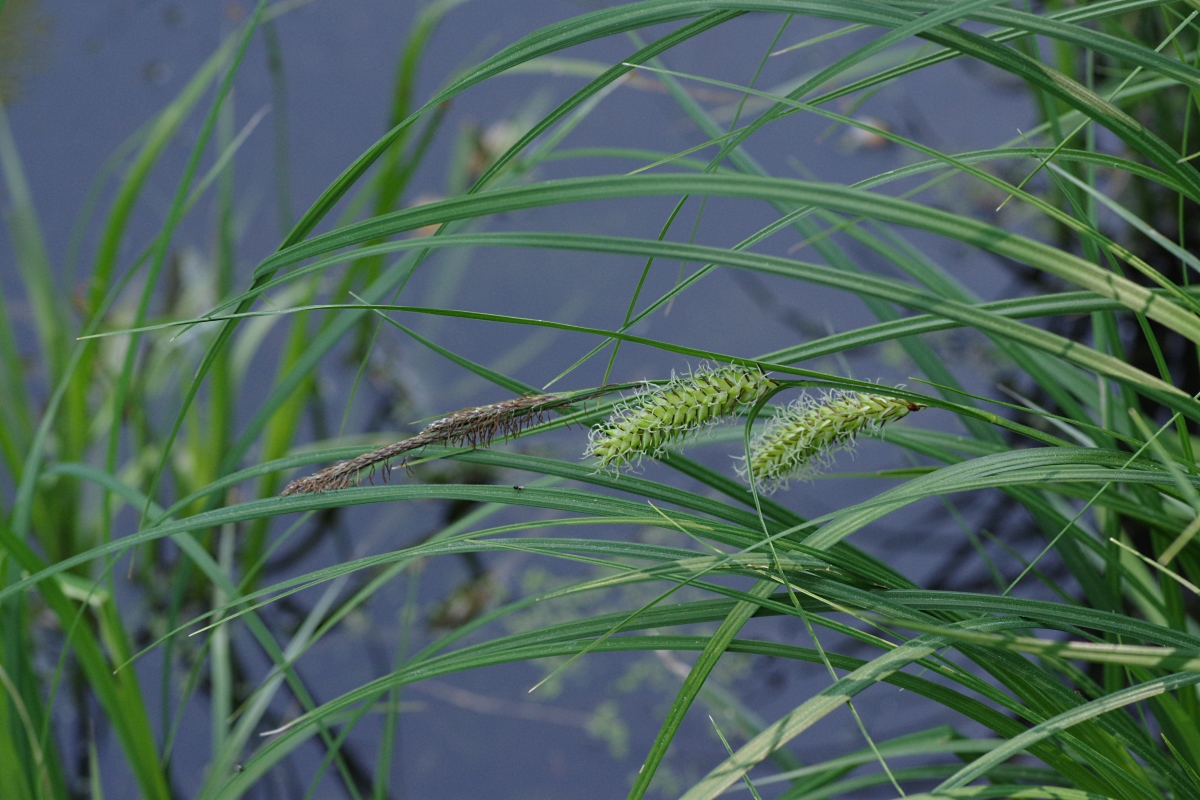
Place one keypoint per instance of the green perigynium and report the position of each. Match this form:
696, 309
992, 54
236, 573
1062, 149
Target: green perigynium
802, 437
659, 415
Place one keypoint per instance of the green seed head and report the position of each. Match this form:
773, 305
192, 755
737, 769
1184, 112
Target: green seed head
659, 415
801, 439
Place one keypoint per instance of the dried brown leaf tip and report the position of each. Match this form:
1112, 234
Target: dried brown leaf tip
476, 427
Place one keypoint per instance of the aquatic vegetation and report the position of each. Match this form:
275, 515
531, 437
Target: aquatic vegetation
1049, 651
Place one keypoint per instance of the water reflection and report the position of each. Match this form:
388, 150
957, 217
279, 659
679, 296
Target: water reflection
24, 52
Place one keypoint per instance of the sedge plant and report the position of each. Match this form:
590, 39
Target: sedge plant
1069, 672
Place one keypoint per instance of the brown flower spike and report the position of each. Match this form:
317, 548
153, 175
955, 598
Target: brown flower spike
476, 427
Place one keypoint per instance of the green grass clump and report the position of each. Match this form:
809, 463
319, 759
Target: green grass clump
1058, 651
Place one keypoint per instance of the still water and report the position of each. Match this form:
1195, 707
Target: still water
79, 77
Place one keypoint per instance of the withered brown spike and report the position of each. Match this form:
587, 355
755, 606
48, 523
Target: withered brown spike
476, 426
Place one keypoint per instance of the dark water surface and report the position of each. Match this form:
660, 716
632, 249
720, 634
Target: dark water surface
97, 70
